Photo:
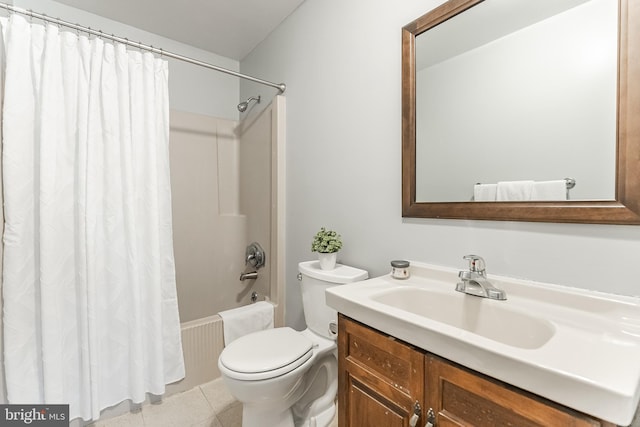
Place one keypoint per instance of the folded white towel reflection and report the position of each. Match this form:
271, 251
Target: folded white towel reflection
484, 192
514, 190
244, 320
549, 190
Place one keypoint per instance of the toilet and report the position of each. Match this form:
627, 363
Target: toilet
289, 378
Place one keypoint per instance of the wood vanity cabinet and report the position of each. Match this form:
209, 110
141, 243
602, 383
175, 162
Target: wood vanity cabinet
381, 379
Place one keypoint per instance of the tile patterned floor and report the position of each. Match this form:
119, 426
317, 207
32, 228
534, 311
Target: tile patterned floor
209, 405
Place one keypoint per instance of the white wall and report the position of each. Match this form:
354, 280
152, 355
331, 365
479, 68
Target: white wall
191, 88
341, 63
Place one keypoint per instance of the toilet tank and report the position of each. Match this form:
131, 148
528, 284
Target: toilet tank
314, 281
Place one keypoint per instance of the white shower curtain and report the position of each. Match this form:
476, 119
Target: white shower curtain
90, 308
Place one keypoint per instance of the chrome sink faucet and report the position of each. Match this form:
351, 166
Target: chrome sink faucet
475, 282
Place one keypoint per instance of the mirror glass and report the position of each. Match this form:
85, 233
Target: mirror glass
518, 90
504, 99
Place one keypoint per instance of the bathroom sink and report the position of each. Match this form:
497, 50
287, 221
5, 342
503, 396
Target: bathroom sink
575, 347
497, 322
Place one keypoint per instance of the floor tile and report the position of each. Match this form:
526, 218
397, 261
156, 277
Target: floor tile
209, 405
180, 410
211, 422
218, 395
231, 416
126, 420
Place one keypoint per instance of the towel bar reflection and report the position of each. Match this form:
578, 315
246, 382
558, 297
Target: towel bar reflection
570, 183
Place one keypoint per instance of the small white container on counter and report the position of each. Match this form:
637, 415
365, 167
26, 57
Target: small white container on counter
400, 269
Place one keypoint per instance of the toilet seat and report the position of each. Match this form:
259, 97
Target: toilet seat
266, 354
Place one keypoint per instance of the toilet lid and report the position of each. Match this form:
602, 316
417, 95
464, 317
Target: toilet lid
266, 354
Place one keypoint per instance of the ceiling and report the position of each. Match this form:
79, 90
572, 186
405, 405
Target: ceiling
230, 28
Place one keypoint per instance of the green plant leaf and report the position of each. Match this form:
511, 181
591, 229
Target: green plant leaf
326, 241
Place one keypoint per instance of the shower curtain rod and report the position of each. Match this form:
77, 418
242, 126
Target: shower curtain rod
280, 86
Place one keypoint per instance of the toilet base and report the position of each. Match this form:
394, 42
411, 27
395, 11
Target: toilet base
322, 419
255, 418
319, 385
252, 417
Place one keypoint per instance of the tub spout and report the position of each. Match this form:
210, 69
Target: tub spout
252, 275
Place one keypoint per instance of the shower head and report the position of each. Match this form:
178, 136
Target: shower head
242, 107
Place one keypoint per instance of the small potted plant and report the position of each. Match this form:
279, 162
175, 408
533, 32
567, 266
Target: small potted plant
327, 243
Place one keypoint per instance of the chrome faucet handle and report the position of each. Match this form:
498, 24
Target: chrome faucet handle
254, 255
476, 264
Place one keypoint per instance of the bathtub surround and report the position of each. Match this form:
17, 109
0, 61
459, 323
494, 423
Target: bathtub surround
89, 279
202, 342
210, 232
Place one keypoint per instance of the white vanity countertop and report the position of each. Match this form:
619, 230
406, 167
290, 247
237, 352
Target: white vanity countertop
575, 347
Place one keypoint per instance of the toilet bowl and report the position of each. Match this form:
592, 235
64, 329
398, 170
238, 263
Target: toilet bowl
288, 378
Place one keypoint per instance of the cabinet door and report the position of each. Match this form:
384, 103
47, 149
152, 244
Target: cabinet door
380, 379
460, 397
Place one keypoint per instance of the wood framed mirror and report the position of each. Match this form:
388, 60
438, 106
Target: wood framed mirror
624, 205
